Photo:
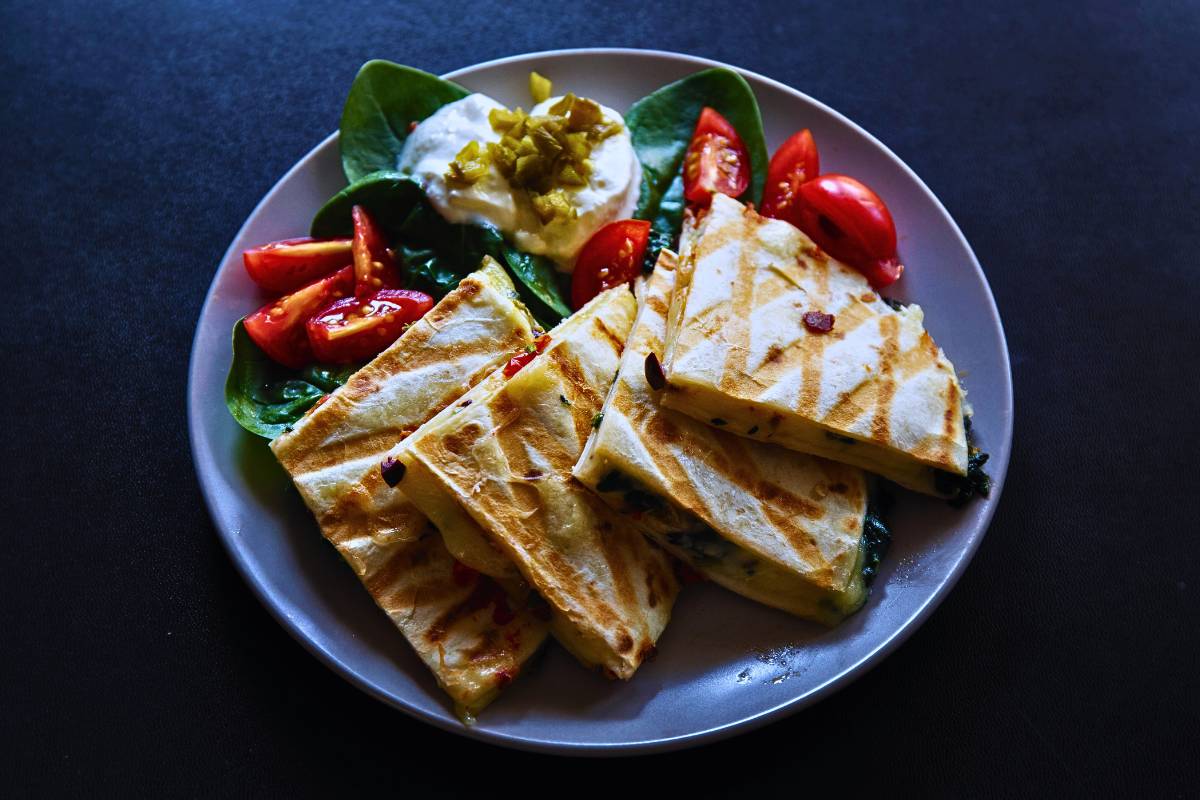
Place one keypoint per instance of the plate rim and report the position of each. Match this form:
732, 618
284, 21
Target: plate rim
203, 463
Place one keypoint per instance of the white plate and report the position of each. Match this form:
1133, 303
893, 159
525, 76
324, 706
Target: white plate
724, 664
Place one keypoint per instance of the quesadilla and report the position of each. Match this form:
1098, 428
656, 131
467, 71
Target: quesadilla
499, 466
471, 634
779, 527
770, 338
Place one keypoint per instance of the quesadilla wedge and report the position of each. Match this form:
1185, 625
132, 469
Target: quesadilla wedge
749, 349
473, 636
500, 467
782, 528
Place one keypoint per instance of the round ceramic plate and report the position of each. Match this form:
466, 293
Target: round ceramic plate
724, 664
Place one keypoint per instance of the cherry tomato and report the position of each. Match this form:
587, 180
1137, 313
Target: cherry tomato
517, 362
851, 223
716, 160
374, 267
351, 329
287, 265
611, 257
795, 162
279, 326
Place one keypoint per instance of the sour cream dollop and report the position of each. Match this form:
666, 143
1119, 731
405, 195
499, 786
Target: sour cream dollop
611, 192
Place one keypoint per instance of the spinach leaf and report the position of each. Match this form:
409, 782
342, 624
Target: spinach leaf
388, 195
384, 100
661, 125
435, 254
543, 289
877, 536
266, 398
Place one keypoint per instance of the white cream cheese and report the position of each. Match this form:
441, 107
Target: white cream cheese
610, 194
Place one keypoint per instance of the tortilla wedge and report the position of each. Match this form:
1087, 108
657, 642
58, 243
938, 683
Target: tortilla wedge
499, 469
473, 636
782, 528
875, 391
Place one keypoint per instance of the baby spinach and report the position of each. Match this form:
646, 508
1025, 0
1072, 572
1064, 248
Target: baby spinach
877, 536
388, 195
384, 100
435, 254
537, 276
267, 398
661, 125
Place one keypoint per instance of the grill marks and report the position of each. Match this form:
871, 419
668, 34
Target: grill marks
617, 342
414, 585
585, 400
737, 327
404, 566
727, 456
889, 327
521, 429
416, 350
572, 548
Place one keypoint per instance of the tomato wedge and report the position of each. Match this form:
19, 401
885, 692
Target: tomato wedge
851, 223
374, 267
794, 163
716, 160
351, 329
279, 326
611, 257
287, 265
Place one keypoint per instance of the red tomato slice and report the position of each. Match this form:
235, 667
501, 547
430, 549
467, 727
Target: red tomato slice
287, 265
795, 162
611, 257
851, 223
278, 327
374, 267
716, 160
351, 329
517, 362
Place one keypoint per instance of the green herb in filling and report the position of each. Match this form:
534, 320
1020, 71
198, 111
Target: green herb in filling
960, 489
876, 537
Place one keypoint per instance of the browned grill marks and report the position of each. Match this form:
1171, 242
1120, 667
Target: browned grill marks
617, 343
729, 458
852, 405
656, 304
889, 329
951, 420
737, 327
413, 352
585, 401
610, 541
526, 534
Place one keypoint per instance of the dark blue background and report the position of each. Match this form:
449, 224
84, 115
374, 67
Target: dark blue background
1063, 138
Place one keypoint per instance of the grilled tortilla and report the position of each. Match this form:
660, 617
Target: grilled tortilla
875, 391
776, 526
473, 637
500, 467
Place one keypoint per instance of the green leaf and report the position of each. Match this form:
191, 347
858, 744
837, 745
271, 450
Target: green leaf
384, 100
266, 398
435, 254
388, 195
661, 125
540, 284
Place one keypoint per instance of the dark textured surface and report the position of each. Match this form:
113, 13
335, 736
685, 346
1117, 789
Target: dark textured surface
137, 137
